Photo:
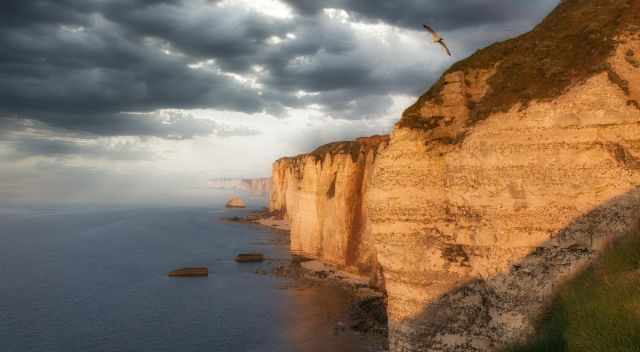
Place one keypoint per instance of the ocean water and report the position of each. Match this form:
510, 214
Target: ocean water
93, 278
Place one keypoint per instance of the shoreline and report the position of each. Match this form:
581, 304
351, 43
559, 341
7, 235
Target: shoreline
367, 306
316, 267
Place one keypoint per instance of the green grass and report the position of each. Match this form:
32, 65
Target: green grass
599, 310
568, 47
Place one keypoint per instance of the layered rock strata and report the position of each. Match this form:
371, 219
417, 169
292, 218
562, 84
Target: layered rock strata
322, 195
507, 177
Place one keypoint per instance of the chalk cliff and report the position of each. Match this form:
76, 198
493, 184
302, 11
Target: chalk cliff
507, 176
322, 195
255, 186
258, 186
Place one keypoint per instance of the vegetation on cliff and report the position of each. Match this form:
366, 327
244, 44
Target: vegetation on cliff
599, 310
571, 45
345, 147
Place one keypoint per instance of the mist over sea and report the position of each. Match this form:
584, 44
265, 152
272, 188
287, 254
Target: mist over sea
88, 277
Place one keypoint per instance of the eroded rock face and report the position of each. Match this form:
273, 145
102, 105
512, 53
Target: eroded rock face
485, 200
322, 195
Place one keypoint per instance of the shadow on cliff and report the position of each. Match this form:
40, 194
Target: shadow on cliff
484, 314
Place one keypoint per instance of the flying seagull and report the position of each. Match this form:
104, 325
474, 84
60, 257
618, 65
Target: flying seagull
437, 38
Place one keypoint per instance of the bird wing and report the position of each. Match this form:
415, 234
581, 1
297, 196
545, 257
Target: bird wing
445, 47
429, 29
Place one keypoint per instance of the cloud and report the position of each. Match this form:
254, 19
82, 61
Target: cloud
24, 139
77, 71
151, 96
28, 147
165, 124
445, 15
95, 66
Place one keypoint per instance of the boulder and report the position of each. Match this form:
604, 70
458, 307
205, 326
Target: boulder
249, 257
235, 202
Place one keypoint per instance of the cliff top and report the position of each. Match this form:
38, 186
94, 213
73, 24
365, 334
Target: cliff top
569, 46
344, 147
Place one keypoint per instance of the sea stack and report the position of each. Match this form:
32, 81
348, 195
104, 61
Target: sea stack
235, 202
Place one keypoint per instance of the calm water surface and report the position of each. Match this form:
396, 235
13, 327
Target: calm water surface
93, 279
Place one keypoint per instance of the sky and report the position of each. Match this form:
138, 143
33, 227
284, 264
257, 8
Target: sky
120, 100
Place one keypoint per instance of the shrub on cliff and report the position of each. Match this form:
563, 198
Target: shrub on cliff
597, 311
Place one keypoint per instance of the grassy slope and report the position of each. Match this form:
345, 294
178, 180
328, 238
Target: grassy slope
571, 45
597, 311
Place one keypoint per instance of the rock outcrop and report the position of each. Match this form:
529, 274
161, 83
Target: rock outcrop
235, 202
508, 176
322, 195
190, 272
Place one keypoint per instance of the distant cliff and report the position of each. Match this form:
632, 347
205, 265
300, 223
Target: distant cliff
255, 186
322, 195
508, 176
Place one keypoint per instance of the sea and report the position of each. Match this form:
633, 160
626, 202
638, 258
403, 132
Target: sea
86, 277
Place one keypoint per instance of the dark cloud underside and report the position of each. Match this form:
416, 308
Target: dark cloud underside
85, 65
444, 15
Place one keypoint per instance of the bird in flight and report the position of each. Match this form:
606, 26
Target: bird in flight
437, 38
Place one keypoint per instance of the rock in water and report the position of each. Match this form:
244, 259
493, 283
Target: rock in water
190, 272
249, 257
235, 202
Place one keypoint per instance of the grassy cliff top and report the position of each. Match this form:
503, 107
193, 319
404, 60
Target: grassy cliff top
344, 147
569, 46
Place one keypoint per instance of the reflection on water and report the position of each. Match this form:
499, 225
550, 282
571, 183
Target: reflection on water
94, 280
322, 310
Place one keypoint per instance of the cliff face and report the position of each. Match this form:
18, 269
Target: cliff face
509, 175
322, 195
258, 186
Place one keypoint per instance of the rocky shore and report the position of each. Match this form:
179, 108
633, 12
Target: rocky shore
262, 217
367, 304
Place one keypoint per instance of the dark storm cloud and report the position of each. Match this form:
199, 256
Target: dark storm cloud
445, 15
69, 66
85, 65
27, 147
233, 36
172, 125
